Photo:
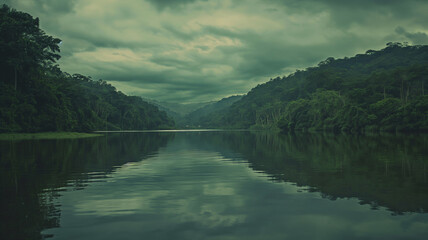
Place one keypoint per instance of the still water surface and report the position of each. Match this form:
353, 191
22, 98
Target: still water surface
215, 185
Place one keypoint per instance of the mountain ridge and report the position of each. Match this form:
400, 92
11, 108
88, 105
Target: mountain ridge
378, 90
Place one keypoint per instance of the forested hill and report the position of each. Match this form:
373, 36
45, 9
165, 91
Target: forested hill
380, 90
35, 95
201, 116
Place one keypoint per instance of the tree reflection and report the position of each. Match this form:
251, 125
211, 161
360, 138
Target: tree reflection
383, 171
33, 174
380, 170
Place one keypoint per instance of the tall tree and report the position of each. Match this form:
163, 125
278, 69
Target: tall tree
24, 47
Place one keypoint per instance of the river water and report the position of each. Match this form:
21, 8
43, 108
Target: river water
215, 185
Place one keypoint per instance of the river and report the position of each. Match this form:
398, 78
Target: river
215, 185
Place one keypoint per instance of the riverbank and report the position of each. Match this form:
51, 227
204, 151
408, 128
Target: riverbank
46, 135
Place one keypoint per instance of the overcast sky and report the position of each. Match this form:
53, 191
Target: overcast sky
202, 50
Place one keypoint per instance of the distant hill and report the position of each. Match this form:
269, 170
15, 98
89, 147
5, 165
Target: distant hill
178, 111
200, 117
193, 115
181, 109
382, 90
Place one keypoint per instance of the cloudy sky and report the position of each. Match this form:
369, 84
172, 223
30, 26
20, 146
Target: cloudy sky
202, 50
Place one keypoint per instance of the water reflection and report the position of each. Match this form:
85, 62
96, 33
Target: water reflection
387, 170
213, 185
34, 173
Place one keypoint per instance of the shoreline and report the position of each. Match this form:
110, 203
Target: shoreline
46, 135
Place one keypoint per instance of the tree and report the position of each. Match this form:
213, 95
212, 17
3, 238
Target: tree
24, 47
51, 100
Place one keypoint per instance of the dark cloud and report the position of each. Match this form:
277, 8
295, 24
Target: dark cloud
50, 6
179, 34
47, 6
198, 50
416, 38
349, 4
346, 12
162, 4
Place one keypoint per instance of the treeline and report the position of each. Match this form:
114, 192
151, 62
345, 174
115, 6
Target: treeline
383, 90
35, 95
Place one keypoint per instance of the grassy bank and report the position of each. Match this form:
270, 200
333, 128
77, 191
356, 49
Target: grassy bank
46, 135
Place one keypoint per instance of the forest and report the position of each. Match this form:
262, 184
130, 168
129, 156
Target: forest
36, 96
382, 90
379, 90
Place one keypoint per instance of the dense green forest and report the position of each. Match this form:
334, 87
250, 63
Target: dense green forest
35, 95
381, 90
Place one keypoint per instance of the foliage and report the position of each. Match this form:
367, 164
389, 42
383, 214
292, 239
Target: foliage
379, 90
45, 135
37, 96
